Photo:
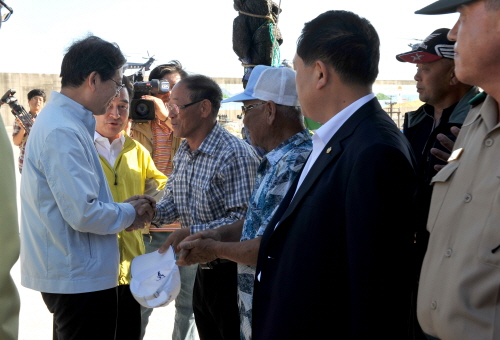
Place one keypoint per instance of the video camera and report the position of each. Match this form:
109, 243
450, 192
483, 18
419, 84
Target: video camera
144, 109
26, 120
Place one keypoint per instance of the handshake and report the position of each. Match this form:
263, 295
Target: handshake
145, 209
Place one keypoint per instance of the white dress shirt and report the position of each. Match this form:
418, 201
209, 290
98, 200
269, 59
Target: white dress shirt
326, 132
109, 151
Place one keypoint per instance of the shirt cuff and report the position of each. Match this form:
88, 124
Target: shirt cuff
129, 212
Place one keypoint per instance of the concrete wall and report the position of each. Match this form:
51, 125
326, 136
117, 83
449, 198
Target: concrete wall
25, 82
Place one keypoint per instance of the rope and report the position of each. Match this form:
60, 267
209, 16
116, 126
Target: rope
268, 17
276, 58
275, 61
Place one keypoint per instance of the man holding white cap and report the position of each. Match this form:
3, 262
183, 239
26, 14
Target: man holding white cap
458, 296
275, 122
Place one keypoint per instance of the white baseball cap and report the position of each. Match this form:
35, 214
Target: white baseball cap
270, 83
155, 279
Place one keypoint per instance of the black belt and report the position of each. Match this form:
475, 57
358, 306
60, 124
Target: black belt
211, 265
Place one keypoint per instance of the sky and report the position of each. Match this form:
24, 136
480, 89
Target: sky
196, 32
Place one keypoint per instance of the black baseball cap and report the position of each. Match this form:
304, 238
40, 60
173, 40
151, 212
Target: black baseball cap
436, 46
443, 7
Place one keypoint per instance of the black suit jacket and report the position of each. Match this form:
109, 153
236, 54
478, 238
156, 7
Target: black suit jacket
337, 265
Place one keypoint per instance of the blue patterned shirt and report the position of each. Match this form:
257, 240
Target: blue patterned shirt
275, 175
209, 187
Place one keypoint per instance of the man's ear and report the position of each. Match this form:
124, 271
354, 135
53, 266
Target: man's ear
321, 73
91, 80
270, 112
453, 78
206, 108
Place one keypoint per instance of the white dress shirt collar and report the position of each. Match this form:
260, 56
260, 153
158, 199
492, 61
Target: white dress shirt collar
110, 151
323, 135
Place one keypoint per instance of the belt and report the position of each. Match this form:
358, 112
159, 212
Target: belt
211, 265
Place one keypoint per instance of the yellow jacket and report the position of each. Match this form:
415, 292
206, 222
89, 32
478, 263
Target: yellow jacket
132, 169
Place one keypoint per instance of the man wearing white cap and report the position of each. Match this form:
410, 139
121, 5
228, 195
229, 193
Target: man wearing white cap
458, 296
275, 122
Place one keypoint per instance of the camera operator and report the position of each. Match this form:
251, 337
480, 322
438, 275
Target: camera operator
36, 99
9, 230
157, 137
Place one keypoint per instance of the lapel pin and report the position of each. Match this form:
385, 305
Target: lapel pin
455, 155
329, 149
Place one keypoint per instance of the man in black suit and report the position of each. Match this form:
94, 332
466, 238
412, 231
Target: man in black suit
335, 259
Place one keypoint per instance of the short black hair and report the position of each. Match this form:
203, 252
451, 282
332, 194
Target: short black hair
173, 66
88, 55
493, 5
129, 86
37, 92
203, 87
344, 41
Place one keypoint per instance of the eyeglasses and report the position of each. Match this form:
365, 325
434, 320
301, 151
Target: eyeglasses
176, 108
245, 109
7, 15
120, 86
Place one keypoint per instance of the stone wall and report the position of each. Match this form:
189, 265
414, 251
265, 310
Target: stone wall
24, 83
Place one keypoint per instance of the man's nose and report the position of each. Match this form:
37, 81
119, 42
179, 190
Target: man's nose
417, 76
113, 112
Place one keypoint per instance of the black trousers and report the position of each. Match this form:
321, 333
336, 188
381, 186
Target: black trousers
215, 302
128, 325
83, 316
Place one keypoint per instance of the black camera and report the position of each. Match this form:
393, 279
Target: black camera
25, 118
144, 109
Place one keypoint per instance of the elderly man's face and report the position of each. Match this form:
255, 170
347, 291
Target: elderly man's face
477, 36
255, 121
186, 122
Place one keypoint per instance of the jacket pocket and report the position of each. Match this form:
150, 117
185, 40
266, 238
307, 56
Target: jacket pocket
441, 186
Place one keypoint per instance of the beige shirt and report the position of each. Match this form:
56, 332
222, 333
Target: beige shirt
459, 294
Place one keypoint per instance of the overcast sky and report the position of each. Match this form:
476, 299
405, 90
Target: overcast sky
196, 32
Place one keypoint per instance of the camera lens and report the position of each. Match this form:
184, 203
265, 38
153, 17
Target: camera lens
142, 110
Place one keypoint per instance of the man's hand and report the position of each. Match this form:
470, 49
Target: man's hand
190, 251
145, 207
201, 250
174, 239
160, 109
448, 144
208, 233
